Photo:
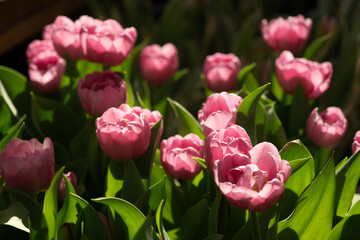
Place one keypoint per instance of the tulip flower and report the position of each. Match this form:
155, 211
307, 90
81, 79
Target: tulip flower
158, 64
356, 143
38, 46
221, 71
255, 181
100, 91
219, 111
313, 76
73, 180
176, 155
28, 165
286, 34
122, 133
327, 128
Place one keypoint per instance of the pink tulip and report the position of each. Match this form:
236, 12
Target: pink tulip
46, 71
122, 134
27, 165
255, 181
158, 64
233, 139
38, 46
313, 76
99, 91
176, 155
286, 34
356, 143
62, 187
219, 111
327, 128
221, 71
106, 42
47, 31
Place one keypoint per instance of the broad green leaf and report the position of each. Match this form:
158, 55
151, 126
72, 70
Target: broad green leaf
347, 177
50, 205
276, 89
299, 112
275, 132
187, 123
92, 226
114, 178
314, 46
85, 67
13, 132
246, 115
313, 216
133, 187
157, 193
214, 215
159, 221
260, 122
245, 71
15, 215
250, 83
298, 163
238, 216
175, 202
132, 217
214, 237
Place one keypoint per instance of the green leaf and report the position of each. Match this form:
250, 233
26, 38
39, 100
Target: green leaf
85, 67
245, 71
214, 237
314, 46
180, 74
50, 205
187, 123
133, 218
313, 216
214, 213
114, 178
159, 221
133, 187
13, 132
174, 206
299, 112
201, 161
276, 89
250, 83
246, 114
157, 194
298, 163
347, 177
275, 132
93, 227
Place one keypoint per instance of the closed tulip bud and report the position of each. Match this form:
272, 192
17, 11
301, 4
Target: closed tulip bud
356, 143
73, 180
313, 76
325, 129
253, 181
286, 34
100, 91
176, 154
221, 71
158, 64
123, 134
28, 165
219, 111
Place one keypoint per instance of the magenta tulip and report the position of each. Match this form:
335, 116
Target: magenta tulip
255, 181
356, 143
327, 128
158, 64
99, 91
221, 71
28, 165
219, 111
286, 34
62, 187
122, 134
314, 77
176, 155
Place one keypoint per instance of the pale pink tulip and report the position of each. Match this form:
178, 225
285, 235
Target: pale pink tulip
158, 64
313, 76
327, 128
38, 46
356, 143
221, 71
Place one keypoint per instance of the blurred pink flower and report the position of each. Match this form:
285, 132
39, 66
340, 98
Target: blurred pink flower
221, 71
38, 46
255, 181
313, 76
28, 165
62, 187
158, 64
99, 91
176, 155
106, 42
286, 34
122, 134
233, 139
327, 128
219, 111
356, 143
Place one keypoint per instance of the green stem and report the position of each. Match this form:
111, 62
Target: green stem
256, 225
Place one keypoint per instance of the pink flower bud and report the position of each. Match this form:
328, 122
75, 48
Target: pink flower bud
62, 187
99, 91
122, 134
28, 165
255, 181
46, 71
221, 71
313, 76
38, 46
356, 143
158, 64
327, 128
219, 111
286, 34
177, 152
226, 141
106, 42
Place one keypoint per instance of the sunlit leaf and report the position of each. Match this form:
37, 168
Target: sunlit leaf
13, 132
314, 46
159, 221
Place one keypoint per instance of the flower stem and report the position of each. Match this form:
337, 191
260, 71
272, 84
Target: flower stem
256, 225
